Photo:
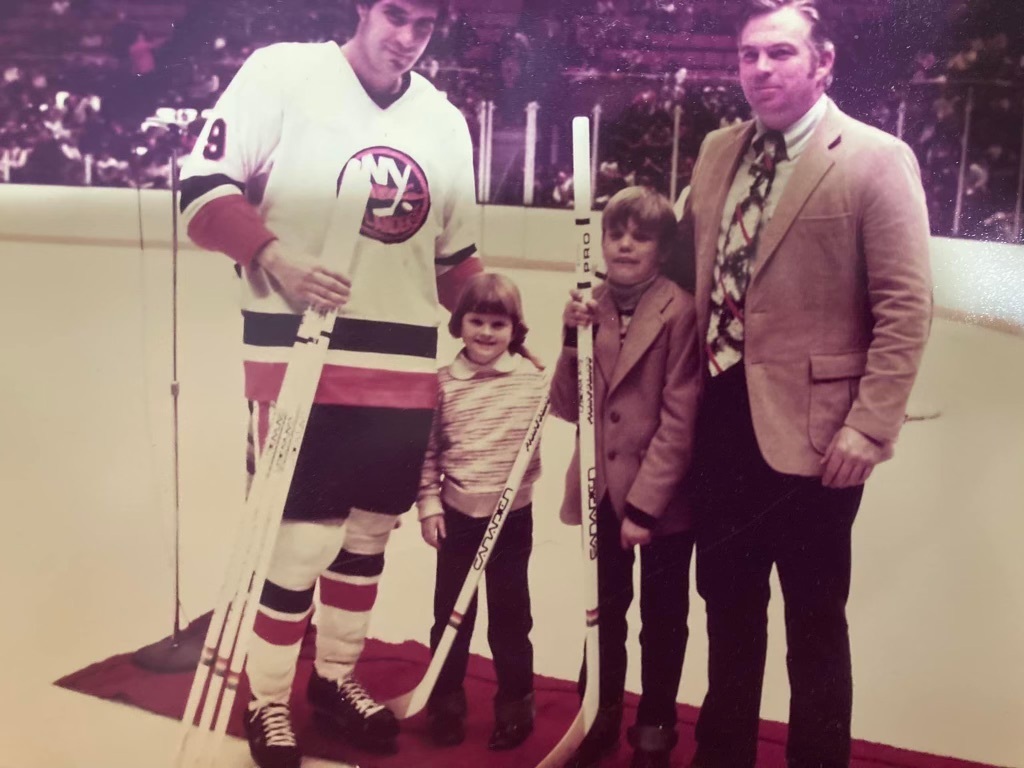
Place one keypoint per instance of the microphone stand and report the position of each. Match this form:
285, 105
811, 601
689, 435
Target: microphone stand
179, 652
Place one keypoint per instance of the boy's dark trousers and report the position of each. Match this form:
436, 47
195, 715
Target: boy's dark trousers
749, 518
509, 620
664, 605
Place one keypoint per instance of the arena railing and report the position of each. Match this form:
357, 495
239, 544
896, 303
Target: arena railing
512, 158
962, 95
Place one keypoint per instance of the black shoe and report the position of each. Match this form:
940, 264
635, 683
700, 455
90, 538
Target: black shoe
446, 718
346, 708
513, 722
652, 745
601, 740
268, 727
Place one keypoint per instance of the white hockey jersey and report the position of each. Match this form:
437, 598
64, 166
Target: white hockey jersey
281, 134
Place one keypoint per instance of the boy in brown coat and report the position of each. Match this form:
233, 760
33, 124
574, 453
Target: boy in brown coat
646, 382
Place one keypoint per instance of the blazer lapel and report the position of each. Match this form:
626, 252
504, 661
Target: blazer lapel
814, 163
606, 340
643, 330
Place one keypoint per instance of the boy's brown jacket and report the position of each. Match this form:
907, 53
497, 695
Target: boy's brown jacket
645, 394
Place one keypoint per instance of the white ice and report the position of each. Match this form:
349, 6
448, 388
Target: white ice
86, 529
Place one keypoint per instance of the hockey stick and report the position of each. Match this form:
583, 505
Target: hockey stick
408, 704
287, 425
585, 383
588, 463
272, 481
226, 644
567, 745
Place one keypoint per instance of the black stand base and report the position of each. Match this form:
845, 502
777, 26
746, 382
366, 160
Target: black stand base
178, 653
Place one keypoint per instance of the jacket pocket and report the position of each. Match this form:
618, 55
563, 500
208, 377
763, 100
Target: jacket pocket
835, 380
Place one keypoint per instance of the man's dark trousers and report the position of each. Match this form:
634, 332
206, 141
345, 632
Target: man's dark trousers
749, 518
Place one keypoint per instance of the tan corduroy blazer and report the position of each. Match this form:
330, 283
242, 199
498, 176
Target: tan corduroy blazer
839, 304
645, 393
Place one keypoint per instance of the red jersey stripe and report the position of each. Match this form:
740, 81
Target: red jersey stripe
341, 385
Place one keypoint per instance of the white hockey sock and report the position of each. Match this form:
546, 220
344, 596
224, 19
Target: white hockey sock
301, 553
348, 590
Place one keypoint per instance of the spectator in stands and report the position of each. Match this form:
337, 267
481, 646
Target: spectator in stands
454, 38
209, 43
140, 54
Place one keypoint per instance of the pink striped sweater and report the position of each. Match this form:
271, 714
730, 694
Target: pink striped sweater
482, 415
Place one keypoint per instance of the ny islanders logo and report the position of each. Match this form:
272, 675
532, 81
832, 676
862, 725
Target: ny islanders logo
399, 195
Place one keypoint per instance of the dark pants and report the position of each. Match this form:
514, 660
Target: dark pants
751, 517
664, 605
508, 602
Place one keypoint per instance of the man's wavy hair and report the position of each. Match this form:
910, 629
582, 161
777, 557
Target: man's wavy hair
821, 38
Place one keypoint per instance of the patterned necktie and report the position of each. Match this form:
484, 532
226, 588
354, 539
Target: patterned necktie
732, 264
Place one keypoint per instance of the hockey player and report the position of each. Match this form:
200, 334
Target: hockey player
259, 187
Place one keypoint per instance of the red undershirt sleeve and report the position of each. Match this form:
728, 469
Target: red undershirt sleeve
451, 282
231, 225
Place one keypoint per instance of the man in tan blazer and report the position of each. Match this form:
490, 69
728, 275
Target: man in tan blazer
806, 235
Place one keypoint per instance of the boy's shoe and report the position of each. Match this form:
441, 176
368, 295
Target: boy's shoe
601, 740
349, 710
652, 745
513, 722
268, 728
446, 718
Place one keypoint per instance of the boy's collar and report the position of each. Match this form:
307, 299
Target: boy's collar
463, 368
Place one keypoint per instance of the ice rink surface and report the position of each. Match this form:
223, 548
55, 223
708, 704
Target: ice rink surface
86, 531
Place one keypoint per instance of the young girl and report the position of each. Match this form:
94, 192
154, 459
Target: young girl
487, 398
646, 380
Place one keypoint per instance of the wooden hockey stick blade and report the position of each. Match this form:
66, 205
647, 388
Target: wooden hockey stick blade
568, 744
400, 706
412, 703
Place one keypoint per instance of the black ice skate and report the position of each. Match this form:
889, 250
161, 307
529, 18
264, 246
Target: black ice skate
268, 727
347, 709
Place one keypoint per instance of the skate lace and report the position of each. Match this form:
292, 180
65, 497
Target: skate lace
354, 692
277, 725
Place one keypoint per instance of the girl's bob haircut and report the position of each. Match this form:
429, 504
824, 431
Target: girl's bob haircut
491, 294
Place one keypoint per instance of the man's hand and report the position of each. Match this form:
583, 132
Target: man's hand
631, 534
303, 280
577, 313
850, 458
432, 530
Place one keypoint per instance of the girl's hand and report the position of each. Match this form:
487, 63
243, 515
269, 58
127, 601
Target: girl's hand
432, 530
577, 313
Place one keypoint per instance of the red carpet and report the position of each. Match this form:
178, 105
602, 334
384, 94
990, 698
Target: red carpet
388, 670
